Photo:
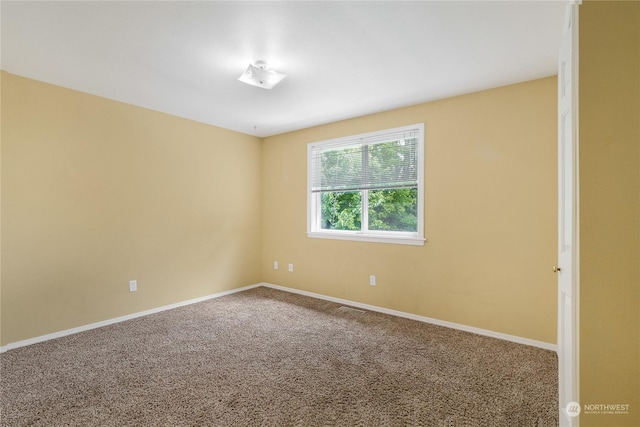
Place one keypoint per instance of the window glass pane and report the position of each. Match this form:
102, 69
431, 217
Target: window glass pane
341, 210
393, 210
339, 169
392, 164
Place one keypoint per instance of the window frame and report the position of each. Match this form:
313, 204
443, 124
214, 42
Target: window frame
314, 205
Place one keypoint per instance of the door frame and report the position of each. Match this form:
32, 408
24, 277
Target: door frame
569, 365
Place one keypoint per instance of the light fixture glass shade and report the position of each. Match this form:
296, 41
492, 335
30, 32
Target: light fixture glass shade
260, 75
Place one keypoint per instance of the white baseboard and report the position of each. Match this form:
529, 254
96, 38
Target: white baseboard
66, 332
485, 332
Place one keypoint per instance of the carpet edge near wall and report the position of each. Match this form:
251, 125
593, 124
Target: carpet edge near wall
112, 321
423, 319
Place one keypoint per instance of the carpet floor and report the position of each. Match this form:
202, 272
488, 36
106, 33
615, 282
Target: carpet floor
264, 357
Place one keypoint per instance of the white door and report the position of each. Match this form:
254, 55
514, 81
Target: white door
567, 268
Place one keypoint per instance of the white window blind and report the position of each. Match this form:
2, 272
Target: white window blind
380, 162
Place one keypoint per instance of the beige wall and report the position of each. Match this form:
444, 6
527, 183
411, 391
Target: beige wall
490, 216
96, 193
609, 108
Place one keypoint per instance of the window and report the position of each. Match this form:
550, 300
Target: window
368, 187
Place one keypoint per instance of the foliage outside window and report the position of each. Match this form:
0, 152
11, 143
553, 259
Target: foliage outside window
368, 187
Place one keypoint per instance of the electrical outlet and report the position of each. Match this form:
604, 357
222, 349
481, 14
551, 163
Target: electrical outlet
275, 265
290, 268
372, 280
133, 285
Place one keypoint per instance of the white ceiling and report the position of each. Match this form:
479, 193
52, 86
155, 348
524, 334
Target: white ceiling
343, 59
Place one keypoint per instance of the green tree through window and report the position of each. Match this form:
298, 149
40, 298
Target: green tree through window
341, 211
393, 210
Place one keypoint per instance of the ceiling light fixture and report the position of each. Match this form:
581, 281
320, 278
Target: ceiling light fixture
260, 75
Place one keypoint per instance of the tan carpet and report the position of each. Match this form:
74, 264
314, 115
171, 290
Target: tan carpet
269, 358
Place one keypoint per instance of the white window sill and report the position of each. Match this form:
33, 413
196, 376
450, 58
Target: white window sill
376, 238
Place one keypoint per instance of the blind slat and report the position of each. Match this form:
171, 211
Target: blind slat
348, 190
